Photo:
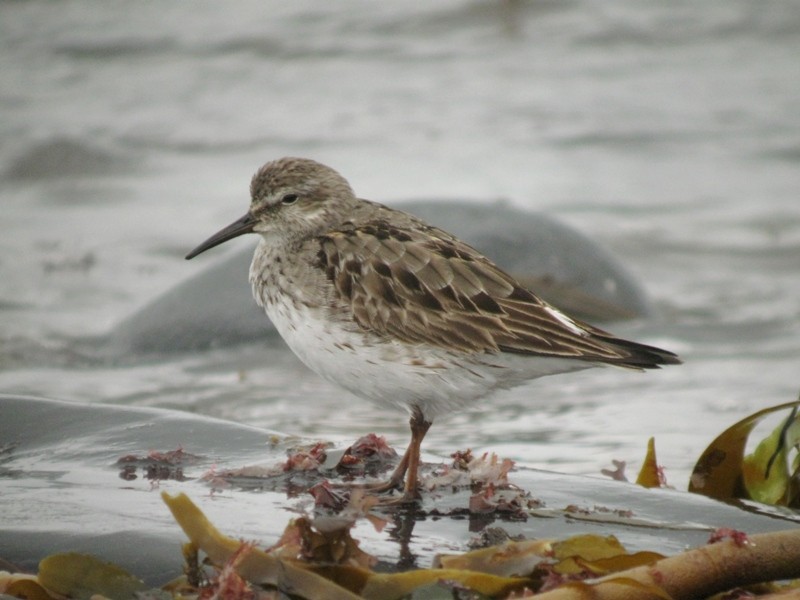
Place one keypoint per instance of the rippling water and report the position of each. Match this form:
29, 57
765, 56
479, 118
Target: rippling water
668, 131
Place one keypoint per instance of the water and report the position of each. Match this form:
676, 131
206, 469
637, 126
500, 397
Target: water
668, 131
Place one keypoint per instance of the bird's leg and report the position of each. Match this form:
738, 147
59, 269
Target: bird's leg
409, 465
419, 427
406, 472
396, 478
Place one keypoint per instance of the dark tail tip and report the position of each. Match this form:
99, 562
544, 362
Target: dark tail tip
642, 356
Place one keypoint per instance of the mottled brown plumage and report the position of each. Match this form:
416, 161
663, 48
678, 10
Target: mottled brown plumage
398, 311
421, 285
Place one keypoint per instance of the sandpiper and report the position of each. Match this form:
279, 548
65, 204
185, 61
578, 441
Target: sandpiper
398, 311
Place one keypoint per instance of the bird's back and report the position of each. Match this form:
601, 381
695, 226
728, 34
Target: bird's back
400, 278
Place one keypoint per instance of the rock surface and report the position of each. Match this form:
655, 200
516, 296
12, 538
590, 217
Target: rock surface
64, 490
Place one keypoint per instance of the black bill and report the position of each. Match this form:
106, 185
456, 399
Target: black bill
235, 229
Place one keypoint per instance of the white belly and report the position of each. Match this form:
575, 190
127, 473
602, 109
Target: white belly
388, 372
399, 375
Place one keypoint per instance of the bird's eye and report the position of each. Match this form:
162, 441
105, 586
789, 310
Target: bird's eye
289, 199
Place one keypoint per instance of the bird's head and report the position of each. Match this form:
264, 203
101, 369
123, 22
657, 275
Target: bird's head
289, 198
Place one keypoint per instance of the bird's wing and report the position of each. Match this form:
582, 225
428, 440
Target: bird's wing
423, 286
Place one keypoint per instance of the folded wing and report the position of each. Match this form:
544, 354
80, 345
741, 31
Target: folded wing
423, 286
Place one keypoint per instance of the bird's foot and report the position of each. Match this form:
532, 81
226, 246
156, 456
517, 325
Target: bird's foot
363, 496
382, 491
383, 487
406, 499
372, 488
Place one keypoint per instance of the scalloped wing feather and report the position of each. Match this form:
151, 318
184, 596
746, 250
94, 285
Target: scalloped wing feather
423, 286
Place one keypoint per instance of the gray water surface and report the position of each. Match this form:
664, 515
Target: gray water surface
666, 131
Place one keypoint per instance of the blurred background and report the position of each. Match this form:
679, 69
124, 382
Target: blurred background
667, 131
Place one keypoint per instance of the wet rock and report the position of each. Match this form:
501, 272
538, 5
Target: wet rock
65, 494
64, 157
